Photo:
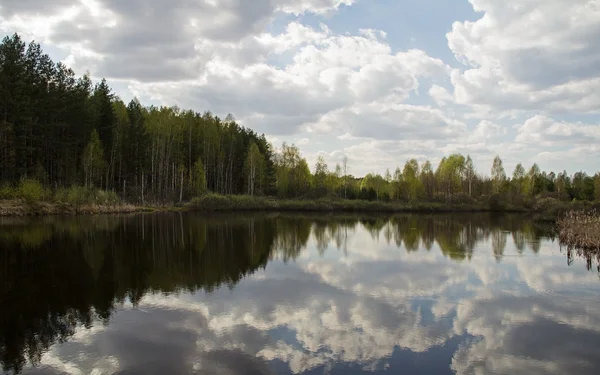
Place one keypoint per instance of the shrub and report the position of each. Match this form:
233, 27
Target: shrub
106, 198
457, 198
439, 197
211, 202
462, 198
316, 193
77, 195
31, 190
527, 203
545, 204
216, 202
495, 202
7, 191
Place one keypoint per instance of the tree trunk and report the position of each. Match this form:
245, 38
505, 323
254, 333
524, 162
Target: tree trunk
181, 188
142, 187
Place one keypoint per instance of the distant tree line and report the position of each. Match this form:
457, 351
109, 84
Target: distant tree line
455, 179
64, 131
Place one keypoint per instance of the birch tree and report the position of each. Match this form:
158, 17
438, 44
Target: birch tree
254, 169
498, 174
469, 173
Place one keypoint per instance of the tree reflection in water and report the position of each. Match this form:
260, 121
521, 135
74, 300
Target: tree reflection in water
61, 273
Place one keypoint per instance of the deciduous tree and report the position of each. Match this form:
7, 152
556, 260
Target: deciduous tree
498, 174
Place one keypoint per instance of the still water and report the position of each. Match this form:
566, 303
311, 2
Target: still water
287, 294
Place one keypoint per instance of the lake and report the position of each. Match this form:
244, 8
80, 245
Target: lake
185, 293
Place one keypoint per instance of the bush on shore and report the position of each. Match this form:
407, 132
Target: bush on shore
27, 189
79, 195
32, 191
7, 192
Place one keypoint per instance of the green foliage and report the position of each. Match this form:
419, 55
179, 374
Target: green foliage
498, 174
413, 186
321, 174
469, 174
449, 174
496, 203
519, 172
60, 195
255, 170
65, 131
93, 160
198, 184
293, 174
217, 202
7, 191
545, 204
582, 187
597, 187
78, 195
106, 198
32, 190
519, 181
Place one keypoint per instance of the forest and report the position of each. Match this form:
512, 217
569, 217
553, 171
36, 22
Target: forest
61, 135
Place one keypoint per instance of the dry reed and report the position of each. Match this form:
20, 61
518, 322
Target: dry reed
580, 230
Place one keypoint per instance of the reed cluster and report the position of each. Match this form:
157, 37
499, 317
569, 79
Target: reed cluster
580, 230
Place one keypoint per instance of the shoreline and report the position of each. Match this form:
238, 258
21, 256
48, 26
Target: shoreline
15, 208
218, 203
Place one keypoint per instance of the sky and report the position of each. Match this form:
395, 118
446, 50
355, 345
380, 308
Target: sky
378, 81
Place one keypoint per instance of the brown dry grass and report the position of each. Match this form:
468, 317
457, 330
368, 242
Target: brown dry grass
22, 208
580, 230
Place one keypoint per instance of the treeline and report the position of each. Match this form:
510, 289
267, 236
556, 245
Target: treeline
455, 180
63, 131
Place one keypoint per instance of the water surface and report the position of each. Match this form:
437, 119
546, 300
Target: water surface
287, 294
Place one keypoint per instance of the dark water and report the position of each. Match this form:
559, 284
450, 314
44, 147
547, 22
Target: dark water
280, 294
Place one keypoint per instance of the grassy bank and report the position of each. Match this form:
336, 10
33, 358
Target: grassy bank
548, 209
31, 198
78, 202
543, 210
213, 202
580, 230
18, 207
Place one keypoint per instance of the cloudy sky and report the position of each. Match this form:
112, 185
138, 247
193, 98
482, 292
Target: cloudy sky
380, 81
